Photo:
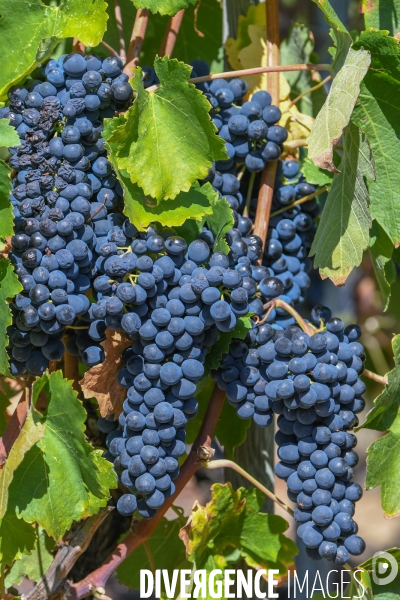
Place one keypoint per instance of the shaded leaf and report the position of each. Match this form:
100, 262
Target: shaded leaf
203, 395
336, 112
221, 347
377, 113
35, 564
232, 520
343, 232
9, 287
166, 551
381, 250
230, 430
373, 579
16, 536
30, 30
61, 479
164, 7
166, 140
101, 381
297, 48
6, 214
339, 34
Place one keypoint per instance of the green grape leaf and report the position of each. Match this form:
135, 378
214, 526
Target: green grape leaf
386, 406
166, 140
141, 210
315, 175
231, 520
230, 437
298, 48
164, 7
339, 34
221, 347
381, 251
383, 462
220, 221
30, 30
8, 134
343, 232
377, 113
6, 214
383, 14
336, 112
16, 536
61, 461
163, 550
35, 564
9, 287
203, 396
369, 582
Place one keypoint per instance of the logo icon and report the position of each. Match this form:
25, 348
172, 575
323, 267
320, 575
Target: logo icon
384, 563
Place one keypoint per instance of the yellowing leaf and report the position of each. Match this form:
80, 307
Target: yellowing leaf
252, 55
297, 124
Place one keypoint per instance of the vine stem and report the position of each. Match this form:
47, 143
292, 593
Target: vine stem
266, 192
300, 201
171, 34
143, 529
137, 38
383, 379
278, 303
109, 48
255, 71
271, 68
118, 19
310, 90
229, 464
77, 46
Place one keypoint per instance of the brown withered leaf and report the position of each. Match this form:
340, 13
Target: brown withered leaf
101, 381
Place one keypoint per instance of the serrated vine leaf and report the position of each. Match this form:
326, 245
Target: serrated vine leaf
383, 462
382, 14
343, 232
164, 550
231, 520
381, 250
297, 48
35, 564
378, 115
336, 112
166, 140
8, 134
143, 210
101, 382
164, 7
220, 221
9, 287
62, 479
30, 30
339, 34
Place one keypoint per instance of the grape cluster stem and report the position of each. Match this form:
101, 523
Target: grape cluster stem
229, 464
